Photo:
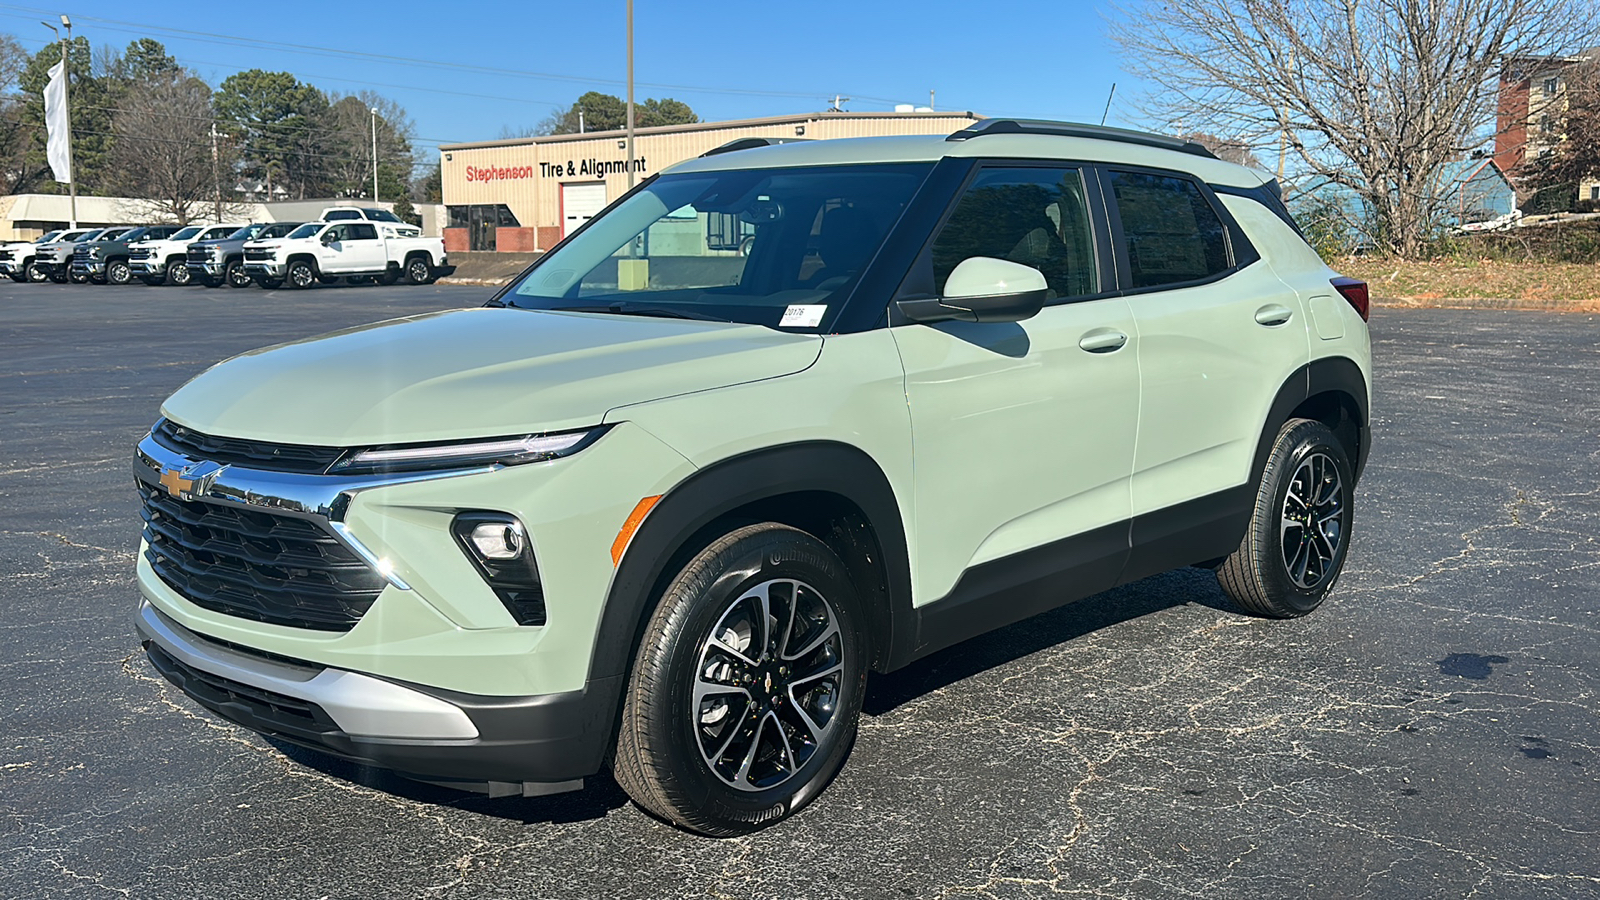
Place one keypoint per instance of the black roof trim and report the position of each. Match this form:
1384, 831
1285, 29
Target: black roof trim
1078, 130
749, 143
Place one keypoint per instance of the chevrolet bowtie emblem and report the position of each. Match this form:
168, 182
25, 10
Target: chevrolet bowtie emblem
191, 481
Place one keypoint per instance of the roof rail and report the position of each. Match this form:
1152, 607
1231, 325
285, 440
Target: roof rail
1078, 130
749, 143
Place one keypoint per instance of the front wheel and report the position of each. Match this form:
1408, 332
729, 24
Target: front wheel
1299, 533
300, 274
117, 272
78, 279
59, 276
36, 273
236, 276
744, 695
268, 282
180, 274
17, 277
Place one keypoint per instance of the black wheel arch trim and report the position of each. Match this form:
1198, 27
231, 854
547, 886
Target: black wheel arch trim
1330, 375
689, 507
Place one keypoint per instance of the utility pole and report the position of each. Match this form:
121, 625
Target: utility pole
216, 177
66, 97
931, 107
837, 100
630, 95
374, 154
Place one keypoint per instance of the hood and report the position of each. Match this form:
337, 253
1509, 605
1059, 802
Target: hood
475, 373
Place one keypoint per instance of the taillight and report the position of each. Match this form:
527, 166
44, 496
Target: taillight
1354, 290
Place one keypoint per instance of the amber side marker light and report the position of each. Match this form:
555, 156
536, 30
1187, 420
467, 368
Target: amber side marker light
635, 518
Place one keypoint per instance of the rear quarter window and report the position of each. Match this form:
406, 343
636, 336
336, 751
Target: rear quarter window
1171, 232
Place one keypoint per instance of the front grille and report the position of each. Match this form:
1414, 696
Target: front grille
198, 256
5, 255
301, 458
140, 253
250, 706
258, 254
256, 564
81, 253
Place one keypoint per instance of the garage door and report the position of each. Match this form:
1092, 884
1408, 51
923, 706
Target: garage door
579, 203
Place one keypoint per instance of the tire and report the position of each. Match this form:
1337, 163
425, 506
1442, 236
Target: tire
179, 274
152, 280
300, 274
36, 274
236, 276
1299, 533
97, 279
58, 277
77, 279
771, 755
210, 282
270, 284
117, 272
18, 278
358, 279
418, 271
389, 277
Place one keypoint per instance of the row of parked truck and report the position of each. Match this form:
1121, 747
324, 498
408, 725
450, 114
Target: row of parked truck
354, 243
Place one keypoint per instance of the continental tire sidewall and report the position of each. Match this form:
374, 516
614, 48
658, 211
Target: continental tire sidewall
1304, 440
757, 557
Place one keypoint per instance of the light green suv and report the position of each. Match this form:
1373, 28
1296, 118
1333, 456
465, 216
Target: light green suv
780, 416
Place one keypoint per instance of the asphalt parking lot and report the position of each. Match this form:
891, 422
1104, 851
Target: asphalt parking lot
1431, 732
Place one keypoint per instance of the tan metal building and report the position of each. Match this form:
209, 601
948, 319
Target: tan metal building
526, 194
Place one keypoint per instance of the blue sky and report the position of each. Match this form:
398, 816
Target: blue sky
730, 60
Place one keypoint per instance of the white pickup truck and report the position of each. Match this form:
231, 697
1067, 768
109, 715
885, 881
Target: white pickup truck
353, 249
154, 262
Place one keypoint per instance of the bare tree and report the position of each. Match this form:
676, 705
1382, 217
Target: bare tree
1377, 95
163, 151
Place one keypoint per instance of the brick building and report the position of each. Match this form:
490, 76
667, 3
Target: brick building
1532, 115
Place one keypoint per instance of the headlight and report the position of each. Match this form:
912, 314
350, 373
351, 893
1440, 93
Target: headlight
214, 252
505, 451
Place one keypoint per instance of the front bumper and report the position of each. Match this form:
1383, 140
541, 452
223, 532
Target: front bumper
498, 745
264, 268
87, 267
200, 270
147, 267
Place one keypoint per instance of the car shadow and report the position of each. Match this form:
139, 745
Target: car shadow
885, 693
1013, 642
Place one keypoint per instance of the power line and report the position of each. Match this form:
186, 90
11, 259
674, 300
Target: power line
312, 50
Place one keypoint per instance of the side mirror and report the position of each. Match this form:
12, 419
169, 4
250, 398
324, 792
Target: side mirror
983, 289
327, 237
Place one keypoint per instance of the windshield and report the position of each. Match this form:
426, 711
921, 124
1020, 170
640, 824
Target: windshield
333, 215
69, 236
47, 237
90, 235
245, 233
382, 215
135, 234
306, 230
111, 234
773, 247
185, 233
277, 230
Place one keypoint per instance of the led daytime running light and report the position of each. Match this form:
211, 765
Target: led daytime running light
530, 448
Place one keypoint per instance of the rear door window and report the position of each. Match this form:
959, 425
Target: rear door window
1171, 232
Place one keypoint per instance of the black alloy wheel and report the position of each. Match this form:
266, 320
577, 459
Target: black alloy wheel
747, 686
1299, 534
300, 275
236, 276
117, 272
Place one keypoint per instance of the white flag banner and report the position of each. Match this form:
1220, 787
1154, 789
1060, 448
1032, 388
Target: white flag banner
56, 124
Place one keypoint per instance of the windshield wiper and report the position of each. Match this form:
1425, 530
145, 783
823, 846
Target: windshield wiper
619, 309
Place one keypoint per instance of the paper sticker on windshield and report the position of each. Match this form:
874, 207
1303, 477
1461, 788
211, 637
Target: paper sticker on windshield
802, 315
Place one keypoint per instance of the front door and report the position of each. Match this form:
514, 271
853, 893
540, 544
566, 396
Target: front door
579, 204
1023, 432
355, 248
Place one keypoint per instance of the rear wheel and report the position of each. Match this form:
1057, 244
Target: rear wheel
117, 272
300, 274
179, 274
418, 271
1299, 534
390, 276
744, 696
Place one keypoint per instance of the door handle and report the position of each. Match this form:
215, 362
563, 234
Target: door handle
1273, 314
1103, 340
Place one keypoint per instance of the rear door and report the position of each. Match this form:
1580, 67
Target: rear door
1218, 335
354, 247
1023, 432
